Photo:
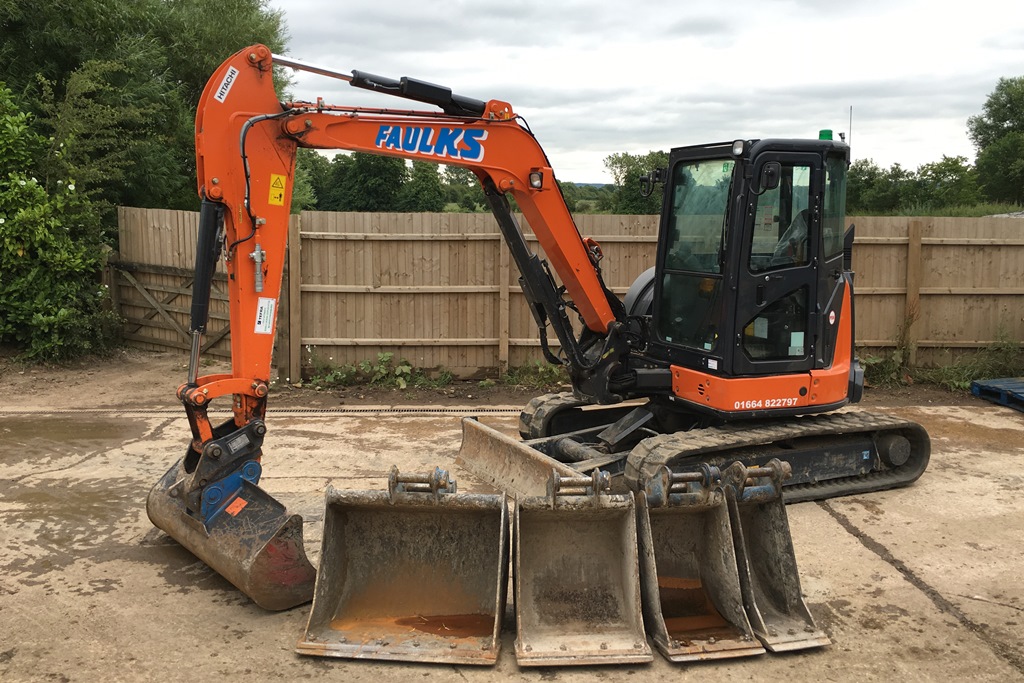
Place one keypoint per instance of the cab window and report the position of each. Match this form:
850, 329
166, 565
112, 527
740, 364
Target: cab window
782, 223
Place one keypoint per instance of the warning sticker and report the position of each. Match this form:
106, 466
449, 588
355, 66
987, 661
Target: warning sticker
276, 189
237, 505
265, 316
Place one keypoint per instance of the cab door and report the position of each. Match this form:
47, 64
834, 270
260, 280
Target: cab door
777, 278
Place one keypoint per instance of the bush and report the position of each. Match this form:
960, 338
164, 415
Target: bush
539, 375
1004, 358
52, 305
384, 372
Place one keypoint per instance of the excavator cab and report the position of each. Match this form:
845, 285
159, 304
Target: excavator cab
751, 278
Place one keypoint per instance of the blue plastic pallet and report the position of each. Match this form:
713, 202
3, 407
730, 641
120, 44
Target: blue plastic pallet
1008, 392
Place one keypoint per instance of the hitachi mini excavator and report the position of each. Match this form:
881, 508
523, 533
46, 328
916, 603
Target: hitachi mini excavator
737, 345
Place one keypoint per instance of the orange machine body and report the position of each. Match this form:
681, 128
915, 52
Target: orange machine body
807, 392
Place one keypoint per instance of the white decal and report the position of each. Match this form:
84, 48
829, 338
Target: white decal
225, 85
712, 364
265, 316
831, 317
765, 403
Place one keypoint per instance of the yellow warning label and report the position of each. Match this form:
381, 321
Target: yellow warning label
276, 190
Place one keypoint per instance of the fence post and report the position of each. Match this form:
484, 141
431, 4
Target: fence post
295, 299
914, 274
503, 305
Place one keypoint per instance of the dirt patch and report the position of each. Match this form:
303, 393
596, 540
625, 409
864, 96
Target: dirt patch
918, 395
131, 378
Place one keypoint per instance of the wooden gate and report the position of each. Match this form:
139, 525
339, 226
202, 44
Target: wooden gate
152, 282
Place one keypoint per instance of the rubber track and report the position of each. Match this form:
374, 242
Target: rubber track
534, 419
690, 448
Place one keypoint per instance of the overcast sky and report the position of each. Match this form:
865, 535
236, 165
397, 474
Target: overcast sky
594, 78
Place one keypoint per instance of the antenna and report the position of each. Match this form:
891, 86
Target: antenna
849, 131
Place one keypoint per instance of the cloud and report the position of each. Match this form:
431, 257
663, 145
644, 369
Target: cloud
597, 78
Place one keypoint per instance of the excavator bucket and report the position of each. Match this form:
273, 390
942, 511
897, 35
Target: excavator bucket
415, 573
238, 530
693, 601
766, 560
577, 584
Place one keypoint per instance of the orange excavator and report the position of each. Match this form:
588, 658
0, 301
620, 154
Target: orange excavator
737, 345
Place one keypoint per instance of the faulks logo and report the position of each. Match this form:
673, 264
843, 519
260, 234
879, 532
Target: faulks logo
465, 144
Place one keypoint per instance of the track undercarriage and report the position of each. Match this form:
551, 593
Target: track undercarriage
835, 454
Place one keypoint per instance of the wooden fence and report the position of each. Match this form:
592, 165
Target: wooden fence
440, 290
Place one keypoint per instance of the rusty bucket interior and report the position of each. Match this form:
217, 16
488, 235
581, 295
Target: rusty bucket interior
415, 573
766, 559
576, 577
239, 530
693, 601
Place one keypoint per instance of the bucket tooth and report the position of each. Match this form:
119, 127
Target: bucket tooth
576, 576
766, 559
415, 573
693, 602
210, 503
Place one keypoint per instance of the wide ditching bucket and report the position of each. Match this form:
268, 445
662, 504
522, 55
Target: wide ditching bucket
693, 601
211, 504
415, 573
576, 576
766, 559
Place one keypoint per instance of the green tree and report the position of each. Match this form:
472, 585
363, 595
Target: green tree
423, 191
873, 190
998, 135
949, 182
51, 252
317, 169
125, 130
329, 193
121, 80
369, 182
627, 169
571, 194
463, 188
198, 35
860, 179
51, 39
1001, 169
303, 195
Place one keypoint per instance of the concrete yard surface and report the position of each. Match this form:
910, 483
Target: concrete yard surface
922, 583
